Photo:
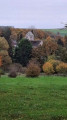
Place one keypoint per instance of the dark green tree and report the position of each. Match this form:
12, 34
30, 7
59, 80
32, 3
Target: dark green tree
60, 42
23, 52
61, 54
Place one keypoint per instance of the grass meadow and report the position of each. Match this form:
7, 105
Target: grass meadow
42, 98
62, 32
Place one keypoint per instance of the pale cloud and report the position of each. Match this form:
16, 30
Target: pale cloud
39, 13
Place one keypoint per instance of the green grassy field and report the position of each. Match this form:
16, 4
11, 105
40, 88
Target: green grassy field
62, 32
42, 98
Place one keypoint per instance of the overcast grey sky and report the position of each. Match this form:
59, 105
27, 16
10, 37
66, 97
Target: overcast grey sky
38, 13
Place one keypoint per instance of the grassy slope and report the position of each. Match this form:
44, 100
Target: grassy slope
62, 32
43, 98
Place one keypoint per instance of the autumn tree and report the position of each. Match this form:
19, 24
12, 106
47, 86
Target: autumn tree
4, 46
0, 61
65, 41
39, 55
39, 34
0, 64
13, 36
49, 46
6, 33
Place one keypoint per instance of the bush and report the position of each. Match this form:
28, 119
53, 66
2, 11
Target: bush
62, 68
1, 72
17, 67
48, 68
12, 74
23, 70
51, 57
33, 70
54, 64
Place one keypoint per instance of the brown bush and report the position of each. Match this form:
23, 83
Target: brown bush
15, 67
33, 70
23, 70
12, 74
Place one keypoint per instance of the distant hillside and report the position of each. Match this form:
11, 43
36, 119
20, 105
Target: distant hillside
62, 32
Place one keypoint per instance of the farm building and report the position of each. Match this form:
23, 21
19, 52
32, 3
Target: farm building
31, 38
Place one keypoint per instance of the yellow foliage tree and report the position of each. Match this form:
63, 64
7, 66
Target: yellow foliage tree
4, 46
62, 68
48, 68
